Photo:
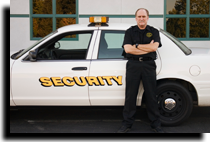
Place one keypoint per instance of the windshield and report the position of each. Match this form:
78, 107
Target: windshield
26, 50
183, 47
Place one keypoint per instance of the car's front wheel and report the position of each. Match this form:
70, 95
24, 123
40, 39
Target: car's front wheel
174, 103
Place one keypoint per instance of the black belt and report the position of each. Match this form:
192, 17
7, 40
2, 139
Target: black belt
140, 58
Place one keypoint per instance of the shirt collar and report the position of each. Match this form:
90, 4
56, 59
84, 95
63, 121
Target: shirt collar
137, 28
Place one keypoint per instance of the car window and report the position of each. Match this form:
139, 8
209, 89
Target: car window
64, 47
110, 46
184, 48
26, 50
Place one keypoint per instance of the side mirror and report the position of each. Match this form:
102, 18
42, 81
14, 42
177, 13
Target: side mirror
32, 56
57, 45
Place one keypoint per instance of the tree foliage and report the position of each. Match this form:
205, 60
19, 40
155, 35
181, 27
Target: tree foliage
43, 26
42, 6
199, 27
199, 6
65, 7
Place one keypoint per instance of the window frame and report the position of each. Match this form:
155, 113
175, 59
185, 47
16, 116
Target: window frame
187, 16
53, 16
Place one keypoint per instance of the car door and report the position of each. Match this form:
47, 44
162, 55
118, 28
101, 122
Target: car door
58, 75
109, 66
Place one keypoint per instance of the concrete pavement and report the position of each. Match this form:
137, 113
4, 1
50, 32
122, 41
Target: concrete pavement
96, 120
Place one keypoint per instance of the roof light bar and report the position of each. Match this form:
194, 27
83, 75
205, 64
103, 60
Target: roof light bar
98, 21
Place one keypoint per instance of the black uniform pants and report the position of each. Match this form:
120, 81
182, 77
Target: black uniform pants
135, 72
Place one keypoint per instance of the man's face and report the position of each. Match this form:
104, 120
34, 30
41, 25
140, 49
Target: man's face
142, 18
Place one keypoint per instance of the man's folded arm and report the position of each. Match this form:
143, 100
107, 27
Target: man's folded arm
152, 47
131, 49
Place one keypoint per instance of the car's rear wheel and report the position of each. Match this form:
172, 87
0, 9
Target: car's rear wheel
174, 103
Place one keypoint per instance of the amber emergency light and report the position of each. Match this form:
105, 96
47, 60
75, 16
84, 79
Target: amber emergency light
98, 21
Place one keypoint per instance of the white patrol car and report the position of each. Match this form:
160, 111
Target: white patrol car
81, 65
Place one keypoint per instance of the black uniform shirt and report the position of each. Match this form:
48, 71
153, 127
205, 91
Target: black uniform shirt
134, 35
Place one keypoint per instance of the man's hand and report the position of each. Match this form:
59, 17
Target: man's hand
151, 47
131, 49
142, 48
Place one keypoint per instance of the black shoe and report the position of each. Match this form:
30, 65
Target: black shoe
158, 130
123, 129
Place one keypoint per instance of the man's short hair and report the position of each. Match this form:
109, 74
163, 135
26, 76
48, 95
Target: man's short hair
142, 9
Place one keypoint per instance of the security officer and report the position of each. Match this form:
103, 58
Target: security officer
140, 45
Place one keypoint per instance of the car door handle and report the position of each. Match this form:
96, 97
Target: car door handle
79, 68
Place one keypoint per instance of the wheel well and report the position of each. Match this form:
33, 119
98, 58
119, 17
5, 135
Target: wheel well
186, 84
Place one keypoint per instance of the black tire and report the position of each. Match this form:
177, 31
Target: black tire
173, 92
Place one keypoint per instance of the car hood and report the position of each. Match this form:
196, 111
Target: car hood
200, 51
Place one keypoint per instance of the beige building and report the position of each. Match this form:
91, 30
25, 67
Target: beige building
30, 20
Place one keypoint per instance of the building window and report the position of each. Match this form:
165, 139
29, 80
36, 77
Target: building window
49, 15
188, 19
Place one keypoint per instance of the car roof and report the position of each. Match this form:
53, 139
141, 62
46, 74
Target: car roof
76, 27
85, 27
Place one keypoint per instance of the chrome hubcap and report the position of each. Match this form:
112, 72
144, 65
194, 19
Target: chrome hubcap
170, 103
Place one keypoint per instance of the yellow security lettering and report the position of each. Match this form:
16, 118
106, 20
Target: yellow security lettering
108, 79
46, 82
68, 81
57, 81
91, 80
82, 83
118, 80
101, 80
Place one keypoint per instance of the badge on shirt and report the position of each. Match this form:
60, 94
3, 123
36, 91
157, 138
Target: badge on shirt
149, 34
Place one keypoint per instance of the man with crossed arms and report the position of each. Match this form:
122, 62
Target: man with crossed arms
140, 45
